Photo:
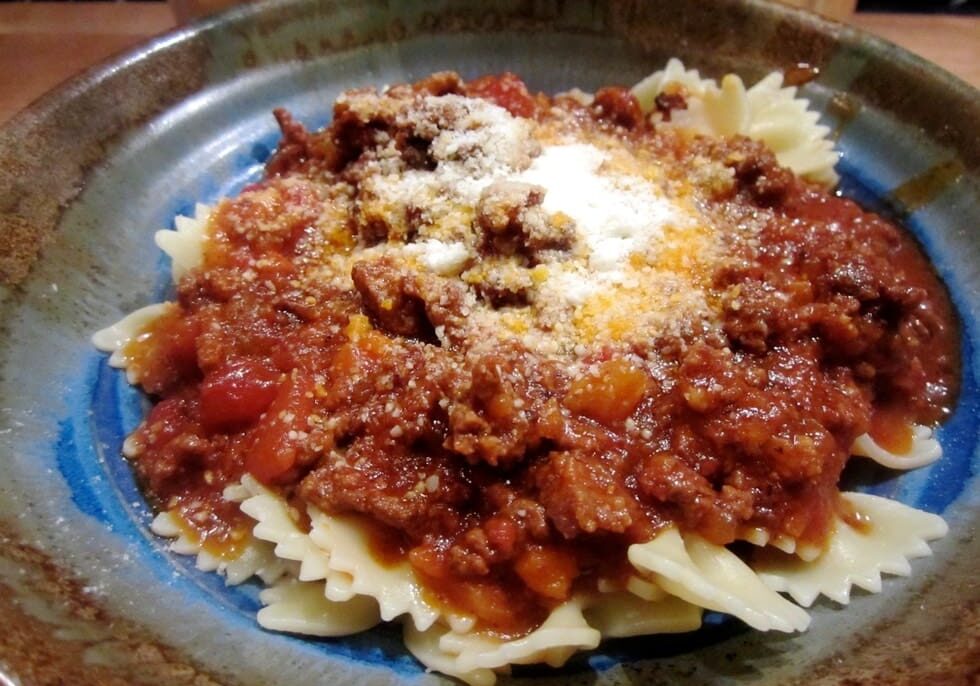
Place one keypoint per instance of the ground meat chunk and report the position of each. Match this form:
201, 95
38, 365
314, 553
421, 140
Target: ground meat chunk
758, 175
512, 222
174, 439
500, 281
404, 302
473, 555
293, 147
581, 494
404, 489
528, 513
391, 298
690, 498
517, 521
299, 146
447, 305
786, 414
669, 100
440, 83
505, 408
378, 220
758, 172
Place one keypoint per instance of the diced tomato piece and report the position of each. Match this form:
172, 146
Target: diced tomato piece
237, 394
618, 105
502, 533
167, 419
165, 354
506, 90
280, 436
547, 571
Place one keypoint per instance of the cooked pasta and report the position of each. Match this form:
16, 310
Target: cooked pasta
768, 112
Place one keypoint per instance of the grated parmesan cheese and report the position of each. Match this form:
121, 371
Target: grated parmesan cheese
615, 214
633, 250
439, 257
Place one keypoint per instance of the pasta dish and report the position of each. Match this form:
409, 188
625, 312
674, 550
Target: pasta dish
522, 372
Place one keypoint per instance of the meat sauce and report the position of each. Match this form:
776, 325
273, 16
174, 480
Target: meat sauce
506, 481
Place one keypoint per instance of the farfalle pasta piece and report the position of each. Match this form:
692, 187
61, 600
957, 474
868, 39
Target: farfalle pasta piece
785, 123
394, 586
249, 558
768, 112
644, 588
424, 645
674, 72
337, 552
185, 247
115, 338
186, 244
925, 450
275, 524
622, 614
891, 535
562, 634
713, 577
300, 607
760, 537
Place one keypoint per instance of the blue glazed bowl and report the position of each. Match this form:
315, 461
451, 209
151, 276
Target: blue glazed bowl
90, 171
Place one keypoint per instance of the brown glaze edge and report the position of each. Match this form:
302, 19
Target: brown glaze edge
50, 147
55, 632
935, 638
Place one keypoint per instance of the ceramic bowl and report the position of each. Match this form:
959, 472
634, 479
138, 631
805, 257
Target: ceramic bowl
87, 173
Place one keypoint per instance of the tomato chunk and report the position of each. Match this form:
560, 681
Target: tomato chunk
165, 354
506, 90
167, 420
280, 437
237, 394
618, 105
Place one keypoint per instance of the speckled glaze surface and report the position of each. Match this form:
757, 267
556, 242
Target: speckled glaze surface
88, 596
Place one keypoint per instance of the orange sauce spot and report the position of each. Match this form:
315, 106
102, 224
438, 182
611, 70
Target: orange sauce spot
221, 541
357, 326
852, 517
547, 571
892, 430
387, 546
611, 395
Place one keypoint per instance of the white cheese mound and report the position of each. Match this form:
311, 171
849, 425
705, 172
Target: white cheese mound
440, 257
615, 214
474, 143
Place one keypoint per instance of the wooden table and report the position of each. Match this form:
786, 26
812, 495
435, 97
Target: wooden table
42, 44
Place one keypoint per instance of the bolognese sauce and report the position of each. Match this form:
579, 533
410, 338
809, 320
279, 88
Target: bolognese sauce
511, 394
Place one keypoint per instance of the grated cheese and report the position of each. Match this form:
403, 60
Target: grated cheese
439, 257
615, 214
639, 250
